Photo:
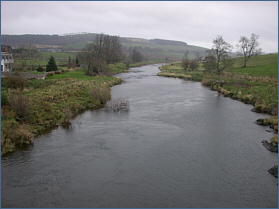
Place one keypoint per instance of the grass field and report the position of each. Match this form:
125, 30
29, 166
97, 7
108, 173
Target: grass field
47, 55
61, 58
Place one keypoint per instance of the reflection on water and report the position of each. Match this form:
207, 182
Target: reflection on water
180, 145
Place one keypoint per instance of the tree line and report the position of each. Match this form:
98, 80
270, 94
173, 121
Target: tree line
105, 50
217, 58
95, 57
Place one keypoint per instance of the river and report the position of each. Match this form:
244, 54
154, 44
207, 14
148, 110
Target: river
180, 145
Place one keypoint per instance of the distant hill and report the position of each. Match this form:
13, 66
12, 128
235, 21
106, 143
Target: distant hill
38, 39
155, 48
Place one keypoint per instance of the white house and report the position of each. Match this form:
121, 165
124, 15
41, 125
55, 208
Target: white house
7, 62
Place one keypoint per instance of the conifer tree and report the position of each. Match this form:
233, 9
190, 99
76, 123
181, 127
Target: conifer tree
51, 66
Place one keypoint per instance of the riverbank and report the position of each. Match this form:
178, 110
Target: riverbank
256, 85
30, 108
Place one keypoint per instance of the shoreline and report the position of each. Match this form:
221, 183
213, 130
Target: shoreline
59, 100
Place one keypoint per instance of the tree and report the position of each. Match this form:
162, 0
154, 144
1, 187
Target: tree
91, 58
136, 56
209, 63
31, 53
51, 66
198, 57
194, 65
248, 48
127, 61
112, 49
186, 61
40, 69
104, 50
77, 62
220, 51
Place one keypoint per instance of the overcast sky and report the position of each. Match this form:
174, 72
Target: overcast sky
194, 22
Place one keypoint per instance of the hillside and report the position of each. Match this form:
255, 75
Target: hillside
160, 49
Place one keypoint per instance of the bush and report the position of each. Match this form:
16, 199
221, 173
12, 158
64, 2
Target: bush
15, 82
194, 65
40, 69
6, 144
274, 140
20, 103
4, 98
101, 93
66, 119
14, 134
118, 105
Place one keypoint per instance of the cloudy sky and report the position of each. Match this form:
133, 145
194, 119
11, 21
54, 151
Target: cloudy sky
194, 22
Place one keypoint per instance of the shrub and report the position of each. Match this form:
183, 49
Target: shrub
118, 104
274, 140
101, 93
40, 69
20, 103
16, 134
207, 81
4, 98
66, 119
15, 82
6, 144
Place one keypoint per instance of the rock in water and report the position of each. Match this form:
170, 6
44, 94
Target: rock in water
270, 146
274, 171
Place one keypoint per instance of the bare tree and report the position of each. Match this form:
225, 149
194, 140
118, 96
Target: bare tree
136, 56
104, 50
186, 61
194, 65
220, 51
127, 61
31, 53
248, 48
112, 49
209, 63
198, 56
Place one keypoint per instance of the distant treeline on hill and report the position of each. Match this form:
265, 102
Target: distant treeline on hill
62, 40
17, 40
168, 42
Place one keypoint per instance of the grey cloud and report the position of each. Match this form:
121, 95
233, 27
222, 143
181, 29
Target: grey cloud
196, 23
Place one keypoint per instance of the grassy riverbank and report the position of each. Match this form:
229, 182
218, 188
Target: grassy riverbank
257, 84
29, 108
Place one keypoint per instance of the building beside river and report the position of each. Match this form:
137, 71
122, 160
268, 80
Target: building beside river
7, 62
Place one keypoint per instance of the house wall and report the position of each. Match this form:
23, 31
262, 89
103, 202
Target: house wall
7, 62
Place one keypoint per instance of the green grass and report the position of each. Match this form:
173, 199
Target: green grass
77, 46
260, 70
47, 55
256, 61
176, 70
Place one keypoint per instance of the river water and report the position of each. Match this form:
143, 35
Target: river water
180, 145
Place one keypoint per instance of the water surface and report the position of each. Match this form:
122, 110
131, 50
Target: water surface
180, 145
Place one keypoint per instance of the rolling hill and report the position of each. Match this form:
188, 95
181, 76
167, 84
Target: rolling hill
155, 49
